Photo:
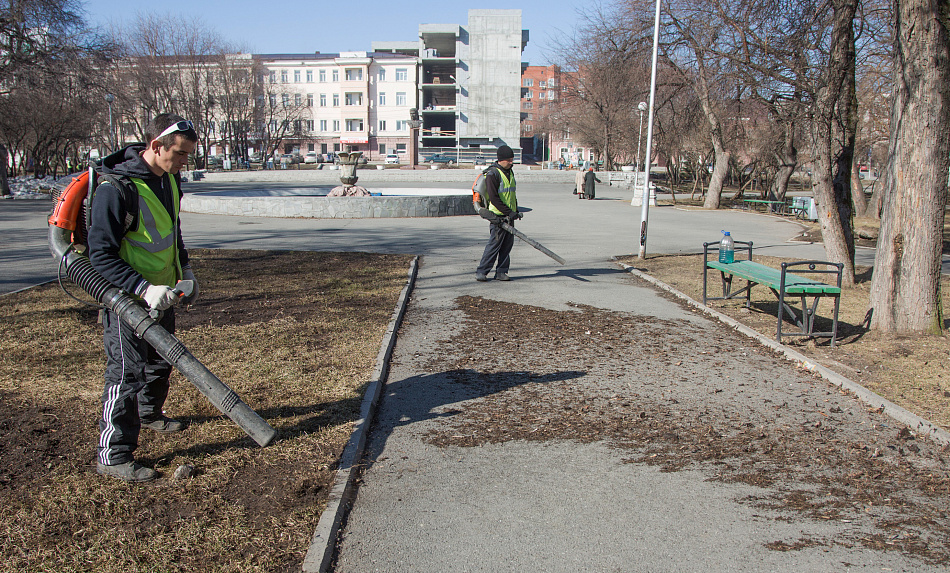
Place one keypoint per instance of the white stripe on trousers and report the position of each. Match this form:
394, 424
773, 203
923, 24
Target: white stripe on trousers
108, 408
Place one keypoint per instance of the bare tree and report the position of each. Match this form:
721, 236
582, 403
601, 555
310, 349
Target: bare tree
905, 287
600, 96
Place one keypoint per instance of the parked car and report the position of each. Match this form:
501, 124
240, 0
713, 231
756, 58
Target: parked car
290, 158
441, 158
480, 160
392, 159
311, 157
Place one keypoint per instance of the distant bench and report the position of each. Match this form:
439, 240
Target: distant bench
771, 206
783, 284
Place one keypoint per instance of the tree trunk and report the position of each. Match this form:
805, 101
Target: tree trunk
833, 148
788, 161
857, 191
4, 169
905, 288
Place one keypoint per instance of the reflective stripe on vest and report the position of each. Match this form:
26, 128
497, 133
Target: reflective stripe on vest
151, 248
506, 192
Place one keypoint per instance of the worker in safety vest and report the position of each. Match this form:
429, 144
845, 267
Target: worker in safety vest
500, 190
135, 243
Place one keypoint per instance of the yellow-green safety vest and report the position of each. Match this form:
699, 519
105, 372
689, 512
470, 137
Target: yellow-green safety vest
151, 248
506, 192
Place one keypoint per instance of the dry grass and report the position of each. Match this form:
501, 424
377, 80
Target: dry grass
294, 334
911, 371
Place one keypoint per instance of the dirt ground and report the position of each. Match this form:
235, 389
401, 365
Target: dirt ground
298, 343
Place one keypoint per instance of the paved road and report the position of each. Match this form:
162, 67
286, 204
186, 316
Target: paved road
426, 503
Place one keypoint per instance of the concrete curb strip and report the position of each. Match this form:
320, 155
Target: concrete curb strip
915, 422
320, 553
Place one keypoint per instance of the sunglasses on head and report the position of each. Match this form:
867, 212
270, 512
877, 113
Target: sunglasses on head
183, 125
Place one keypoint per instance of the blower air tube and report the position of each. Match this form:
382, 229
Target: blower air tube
81, 271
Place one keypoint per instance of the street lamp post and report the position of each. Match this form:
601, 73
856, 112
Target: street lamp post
414, 124
109, 99
645, 210
641, 108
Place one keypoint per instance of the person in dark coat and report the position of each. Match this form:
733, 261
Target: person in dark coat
589, 179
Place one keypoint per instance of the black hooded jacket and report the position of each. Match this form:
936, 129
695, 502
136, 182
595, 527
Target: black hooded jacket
109, 212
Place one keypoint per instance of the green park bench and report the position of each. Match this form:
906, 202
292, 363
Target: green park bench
779, 207
784, 285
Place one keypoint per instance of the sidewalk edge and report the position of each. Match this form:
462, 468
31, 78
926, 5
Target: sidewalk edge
320, 554
898, 413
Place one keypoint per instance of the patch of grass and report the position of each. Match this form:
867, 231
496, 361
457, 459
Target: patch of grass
294, 334
912, 371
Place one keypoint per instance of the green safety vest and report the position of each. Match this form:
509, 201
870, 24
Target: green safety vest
506, 192
151, 248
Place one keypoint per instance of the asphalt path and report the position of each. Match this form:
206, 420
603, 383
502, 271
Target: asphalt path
529, 506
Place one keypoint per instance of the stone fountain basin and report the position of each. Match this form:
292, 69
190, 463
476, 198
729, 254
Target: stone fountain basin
312, 203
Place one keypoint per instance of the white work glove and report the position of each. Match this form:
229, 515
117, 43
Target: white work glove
160, 297
189, 275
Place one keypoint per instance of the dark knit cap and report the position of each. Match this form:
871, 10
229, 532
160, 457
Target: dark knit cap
505, 152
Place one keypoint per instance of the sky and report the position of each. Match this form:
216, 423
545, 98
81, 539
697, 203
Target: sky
333, 26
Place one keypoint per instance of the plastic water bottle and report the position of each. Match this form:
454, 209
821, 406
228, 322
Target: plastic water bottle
727, 248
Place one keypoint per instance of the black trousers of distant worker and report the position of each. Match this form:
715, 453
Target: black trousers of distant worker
499, 246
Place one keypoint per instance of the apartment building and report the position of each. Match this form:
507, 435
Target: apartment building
469, 83
359, 100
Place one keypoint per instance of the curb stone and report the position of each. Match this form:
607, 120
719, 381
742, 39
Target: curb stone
320, 554
898, 413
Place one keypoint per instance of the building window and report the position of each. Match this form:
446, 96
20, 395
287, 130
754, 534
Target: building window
354, 74
336, 75
354, 125
402, 125
309, 100
283, 76
354, 98
382, 74
552, 83
400, 98
528, 82
336, 100
296, 76
336, 125
526, 127
323, 125
382, 98
298, 99
382, 125
550, 94
273, 77
541, 84
323, 75
527, 94
402, 74
273, 100
401, 147
323, 100
285, 99
382, 149
530, 117
528, 105
309, 76
296, 126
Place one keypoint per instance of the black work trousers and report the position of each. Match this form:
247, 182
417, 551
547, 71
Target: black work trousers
136, 385
498, 248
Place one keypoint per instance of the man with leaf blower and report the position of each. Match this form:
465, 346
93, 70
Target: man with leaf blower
135, 243
502, 201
